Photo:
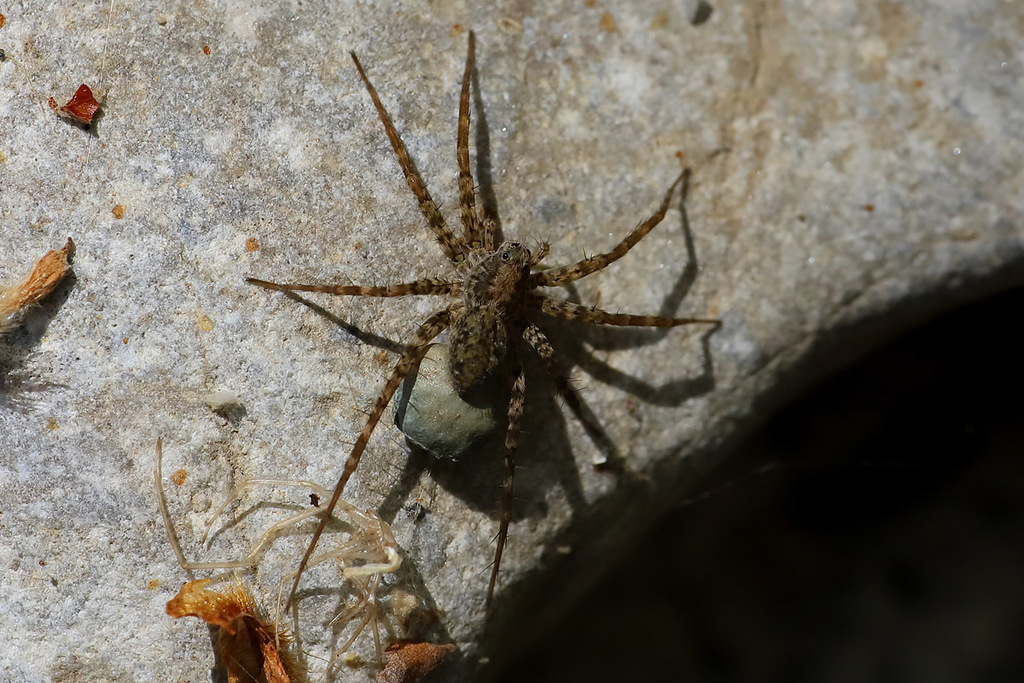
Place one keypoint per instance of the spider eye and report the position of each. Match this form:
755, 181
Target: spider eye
504, 256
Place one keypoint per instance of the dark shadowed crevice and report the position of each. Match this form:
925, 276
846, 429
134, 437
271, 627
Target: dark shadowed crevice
871, 531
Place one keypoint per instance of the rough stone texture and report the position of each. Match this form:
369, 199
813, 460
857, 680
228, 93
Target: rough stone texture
856, 169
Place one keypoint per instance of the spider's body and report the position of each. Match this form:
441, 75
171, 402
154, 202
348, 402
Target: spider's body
497, 298
480, 324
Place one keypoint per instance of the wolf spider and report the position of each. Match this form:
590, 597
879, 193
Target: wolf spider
495, 292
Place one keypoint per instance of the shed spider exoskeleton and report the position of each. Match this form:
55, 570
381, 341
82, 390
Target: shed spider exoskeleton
369, 552
496, 297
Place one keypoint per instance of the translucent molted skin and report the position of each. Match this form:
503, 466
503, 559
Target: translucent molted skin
364, 556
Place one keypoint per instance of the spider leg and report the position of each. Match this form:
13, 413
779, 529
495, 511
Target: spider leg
452, 246
538, 341
571, 311
490, 231
567, 274
515, 418
165, 512
428, 285
539, 255
467, 189
432, 327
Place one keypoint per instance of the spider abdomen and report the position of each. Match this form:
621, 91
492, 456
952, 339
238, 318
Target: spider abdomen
479, 343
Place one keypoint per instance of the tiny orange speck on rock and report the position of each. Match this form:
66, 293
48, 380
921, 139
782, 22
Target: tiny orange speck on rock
179, 477
206, 49
252, 244
118, 211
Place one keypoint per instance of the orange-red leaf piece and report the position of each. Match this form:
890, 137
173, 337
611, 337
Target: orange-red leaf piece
410, 662
247, 643
43, 279
82, 107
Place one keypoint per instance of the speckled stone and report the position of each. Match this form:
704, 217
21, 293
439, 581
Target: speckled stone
856, 169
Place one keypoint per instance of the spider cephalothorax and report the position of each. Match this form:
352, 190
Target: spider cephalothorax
497, 298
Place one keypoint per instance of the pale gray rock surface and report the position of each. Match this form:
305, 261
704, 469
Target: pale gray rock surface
856, 169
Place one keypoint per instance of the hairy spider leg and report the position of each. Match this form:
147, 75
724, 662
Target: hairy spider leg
538, 341
452, 246
517, 398
467, 188
570, 311
539, 255
427, 286
567, 274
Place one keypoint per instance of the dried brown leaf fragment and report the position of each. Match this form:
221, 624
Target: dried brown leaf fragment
247, 643
43, 279
410, 662
81, 108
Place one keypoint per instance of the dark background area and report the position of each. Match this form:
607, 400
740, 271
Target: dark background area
872, 531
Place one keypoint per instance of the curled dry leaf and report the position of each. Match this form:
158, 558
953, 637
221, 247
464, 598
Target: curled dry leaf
247, 643
410, 662
82, 107
43, 279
